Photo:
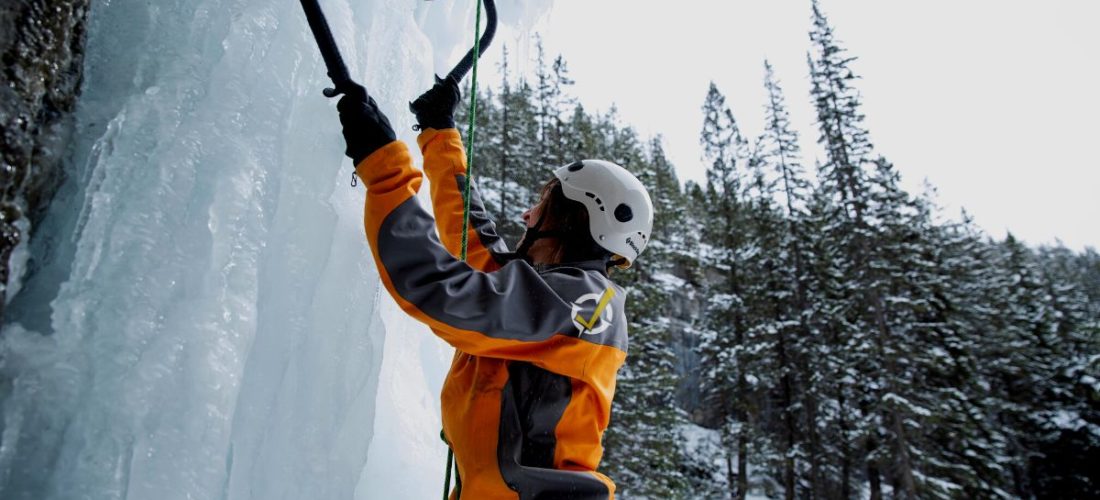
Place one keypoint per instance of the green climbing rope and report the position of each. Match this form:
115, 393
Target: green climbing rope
451, 461
473, 135
447, 478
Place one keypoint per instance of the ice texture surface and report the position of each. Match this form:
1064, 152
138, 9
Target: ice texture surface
205, 320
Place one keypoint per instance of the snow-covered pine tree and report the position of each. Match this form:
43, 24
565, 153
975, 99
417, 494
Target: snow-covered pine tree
839, 118
963, 453
1037, 350
643, 446
898, 289
766, 354
544, 112
580, 135
508, 155
723, 347
691, 256
847, 240
1068, 444
562, 142
664, 189
827, 392
526, 172
781, 149
1084, 269
490, 130
675, 247
623, 145
552, 82
787, 290
532, 164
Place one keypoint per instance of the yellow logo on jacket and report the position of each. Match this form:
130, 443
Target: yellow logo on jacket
600, 317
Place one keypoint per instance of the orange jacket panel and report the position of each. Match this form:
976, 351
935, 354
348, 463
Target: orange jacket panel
445, 165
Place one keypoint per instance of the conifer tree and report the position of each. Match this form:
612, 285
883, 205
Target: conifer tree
843, 184
507, 149
530, 171
560, 137
789, 292
580, 135
964, 448
644, 445
767, 350
553, 101
724, 345
665, 191
840, 121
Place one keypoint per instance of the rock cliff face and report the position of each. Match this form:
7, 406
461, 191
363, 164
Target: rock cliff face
688, 306
42, 47
685, 284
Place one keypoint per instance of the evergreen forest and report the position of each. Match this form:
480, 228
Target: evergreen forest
805, 330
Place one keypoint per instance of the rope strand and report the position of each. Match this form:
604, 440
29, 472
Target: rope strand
473, 136
451, 460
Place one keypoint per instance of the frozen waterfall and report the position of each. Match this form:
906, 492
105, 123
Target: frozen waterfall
205, 321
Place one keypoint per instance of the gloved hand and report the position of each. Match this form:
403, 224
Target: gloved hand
436, 107
366, 128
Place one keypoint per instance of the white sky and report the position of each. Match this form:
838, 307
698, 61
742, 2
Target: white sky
994, 102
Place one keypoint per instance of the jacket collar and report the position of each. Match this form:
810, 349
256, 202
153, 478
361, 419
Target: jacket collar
597, 265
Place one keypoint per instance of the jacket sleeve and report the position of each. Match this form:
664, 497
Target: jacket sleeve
512, 313
445, 165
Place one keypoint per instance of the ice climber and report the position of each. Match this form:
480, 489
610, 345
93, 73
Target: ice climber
539, 333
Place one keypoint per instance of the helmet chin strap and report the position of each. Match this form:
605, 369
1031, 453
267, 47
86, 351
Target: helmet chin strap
533, 234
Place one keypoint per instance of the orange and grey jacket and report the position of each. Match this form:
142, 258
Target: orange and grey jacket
529, 392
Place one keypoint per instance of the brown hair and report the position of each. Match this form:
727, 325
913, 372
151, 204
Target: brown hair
569, 219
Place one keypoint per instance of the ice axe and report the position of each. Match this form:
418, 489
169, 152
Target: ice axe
467, 62
338, 71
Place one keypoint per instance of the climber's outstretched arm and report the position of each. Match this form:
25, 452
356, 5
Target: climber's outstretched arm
445, 165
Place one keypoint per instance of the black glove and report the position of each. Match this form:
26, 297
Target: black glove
436, 107
366, 128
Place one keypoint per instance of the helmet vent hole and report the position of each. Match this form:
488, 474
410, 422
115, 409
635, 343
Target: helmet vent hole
623, 213
576, 166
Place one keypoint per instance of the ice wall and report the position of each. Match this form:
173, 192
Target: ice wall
203, 320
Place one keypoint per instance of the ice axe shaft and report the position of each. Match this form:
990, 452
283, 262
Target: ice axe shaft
337, 71
467, 62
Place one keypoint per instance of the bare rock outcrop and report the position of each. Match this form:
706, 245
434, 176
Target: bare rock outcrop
42, 47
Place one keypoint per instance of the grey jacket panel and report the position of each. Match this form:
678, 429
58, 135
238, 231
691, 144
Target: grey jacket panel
480, 219
515, 302
583, 287
525, 448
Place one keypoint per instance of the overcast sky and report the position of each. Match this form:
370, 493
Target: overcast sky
994, 102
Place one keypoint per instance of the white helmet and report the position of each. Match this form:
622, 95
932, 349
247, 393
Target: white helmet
620, 213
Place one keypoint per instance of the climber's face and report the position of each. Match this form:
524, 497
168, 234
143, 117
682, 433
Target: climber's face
545, 248
531, 215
